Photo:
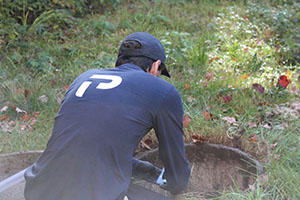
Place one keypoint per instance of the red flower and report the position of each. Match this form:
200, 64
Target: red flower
283, 81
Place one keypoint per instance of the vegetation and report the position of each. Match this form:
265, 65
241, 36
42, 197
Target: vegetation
225, 58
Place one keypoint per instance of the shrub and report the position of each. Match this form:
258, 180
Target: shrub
18, 18
283, 20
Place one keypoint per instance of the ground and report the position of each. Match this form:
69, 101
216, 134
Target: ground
235, 64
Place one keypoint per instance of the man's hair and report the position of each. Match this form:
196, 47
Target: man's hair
141, 61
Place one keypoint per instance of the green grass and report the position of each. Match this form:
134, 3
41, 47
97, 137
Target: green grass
220, 37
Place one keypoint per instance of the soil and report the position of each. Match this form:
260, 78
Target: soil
12, 163
214, 168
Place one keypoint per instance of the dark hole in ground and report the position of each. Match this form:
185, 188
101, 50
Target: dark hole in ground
214, 168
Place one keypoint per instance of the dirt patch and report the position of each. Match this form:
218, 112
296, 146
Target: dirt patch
12, 163
214, 168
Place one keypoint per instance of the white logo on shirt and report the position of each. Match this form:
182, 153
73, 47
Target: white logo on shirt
115, 81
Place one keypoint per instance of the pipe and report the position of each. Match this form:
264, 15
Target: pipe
12, 180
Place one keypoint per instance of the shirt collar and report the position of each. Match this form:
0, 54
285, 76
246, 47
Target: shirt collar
130, 67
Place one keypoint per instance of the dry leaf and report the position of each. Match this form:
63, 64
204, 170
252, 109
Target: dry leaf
66, 87
198, 139
8, 127
260, 119
252, 187
12, 123
214, 58
59, 99
187, 85
26, 117
268, 33
4, 109
144, 145
258, 43
294, 90
244, 76
26, 92
258, 88
245, 17
190, 99
4, 117
230, 120
276, 157
33, 121
266, 126
205, 83
209, 76
148, 142
43, 98
232, 58
253, 138
226, 98
186, 120
23, 127
18, 110
279, 127
19, 91
252, 124
288, 73
207, 116
263, 179
296, 106
36, 113
273, 146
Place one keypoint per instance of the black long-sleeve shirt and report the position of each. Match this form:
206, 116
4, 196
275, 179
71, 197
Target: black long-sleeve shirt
103, 117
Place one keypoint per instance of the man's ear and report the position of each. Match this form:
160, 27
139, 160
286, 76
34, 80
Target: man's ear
155, 68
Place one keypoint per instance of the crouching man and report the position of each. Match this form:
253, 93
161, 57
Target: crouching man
102, 119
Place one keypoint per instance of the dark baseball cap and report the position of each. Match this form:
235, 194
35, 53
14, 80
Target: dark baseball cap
151, 48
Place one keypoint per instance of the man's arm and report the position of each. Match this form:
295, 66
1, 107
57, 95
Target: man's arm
145, 170
169, 131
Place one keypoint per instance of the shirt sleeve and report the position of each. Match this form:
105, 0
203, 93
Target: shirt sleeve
169, 131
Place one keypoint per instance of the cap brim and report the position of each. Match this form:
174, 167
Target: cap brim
166, 73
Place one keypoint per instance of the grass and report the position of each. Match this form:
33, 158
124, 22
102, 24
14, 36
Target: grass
215, 51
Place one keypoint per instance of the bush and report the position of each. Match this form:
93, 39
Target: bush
283, 20
26, 11
18, 18
26, 23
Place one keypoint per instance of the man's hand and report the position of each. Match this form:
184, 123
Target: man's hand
146, 171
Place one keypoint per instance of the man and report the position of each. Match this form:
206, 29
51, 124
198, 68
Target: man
102, 119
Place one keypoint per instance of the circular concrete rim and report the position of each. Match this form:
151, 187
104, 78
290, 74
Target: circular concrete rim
21, 152
242, 156
139, 156
245, 155
258, 165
